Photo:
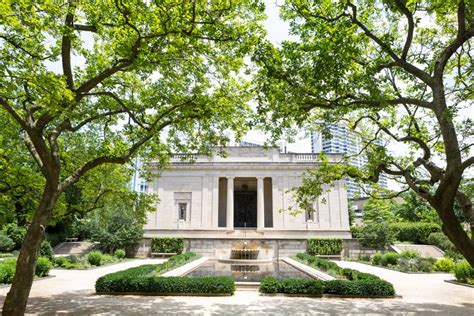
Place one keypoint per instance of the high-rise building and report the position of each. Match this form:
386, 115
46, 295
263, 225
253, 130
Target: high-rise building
137, 183
344, 141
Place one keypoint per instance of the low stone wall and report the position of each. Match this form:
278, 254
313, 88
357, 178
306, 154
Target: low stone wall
354, 250
221, 248
269, 248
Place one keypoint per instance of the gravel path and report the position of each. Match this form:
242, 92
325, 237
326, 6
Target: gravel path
72, 292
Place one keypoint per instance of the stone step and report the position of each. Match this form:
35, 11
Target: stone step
72, 248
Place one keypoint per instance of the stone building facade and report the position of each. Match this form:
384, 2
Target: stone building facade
213, 202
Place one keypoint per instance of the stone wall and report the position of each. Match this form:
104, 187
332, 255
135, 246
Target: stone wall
353, 249
221, 248
269, 248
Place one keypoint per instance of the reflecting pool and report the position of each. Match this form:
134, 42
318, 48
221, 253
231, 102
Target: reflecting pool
249, 272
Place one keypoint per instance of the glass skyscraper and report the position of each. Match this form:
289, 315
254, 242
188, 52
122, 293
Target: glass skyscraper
344, 141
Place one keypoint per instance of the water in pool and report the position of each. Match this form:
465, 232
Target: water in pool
248, 272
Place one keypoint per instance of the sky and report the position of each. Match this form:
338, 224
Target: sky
278, 31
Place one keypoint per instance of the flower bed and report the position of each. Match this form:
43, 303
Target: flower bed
145, 279
351, 282
88, 260
411, 261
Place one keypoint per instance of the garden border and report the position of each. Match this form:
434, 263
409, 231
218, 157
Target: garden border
387, 268
459, 283
2, 286
95, 267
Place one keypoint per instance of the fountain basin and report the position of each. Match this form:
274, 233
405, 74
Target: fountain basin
244, 253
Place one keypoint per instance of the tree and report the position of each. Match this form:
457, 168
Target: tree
136, 77
378, 210
415, 209
398, 70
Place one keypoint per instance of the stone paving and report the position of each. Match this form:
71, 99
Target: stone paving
72, 292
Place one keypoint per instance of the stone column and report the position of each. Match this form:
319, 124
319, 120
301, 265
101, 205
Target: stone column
230, 203
260, 204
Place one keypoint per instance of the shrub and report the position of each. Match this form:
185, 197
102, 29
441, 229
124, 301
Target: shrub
55, 238
46, 250
269, 285
43, 265
167, 245
464, 272
7, 270
317, 246
6, 243
176, 261
414, 232
425, 264
441, 241
410, 254
376, 258
119, 253
359, 288
165, 285
301, 286
318, 263
375, 235
60, 261
370, 286
16, 233
95, 258
444, 265
121, 231
389, 258
354, 275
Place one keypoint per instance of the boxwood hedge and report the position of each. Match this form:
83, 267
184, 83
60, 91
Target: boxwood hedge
361, 287
166, 285
356, 283
145, 279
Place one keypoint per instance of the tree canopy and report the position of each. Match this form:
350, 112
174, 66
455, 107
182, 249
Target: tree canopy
398, 70
117, 79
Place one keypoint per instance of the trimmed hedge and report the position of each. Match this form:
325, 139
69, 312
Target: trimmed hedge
334, 269
167, 245
360, 287
317, 246
321, 264
144, 279
417, 233
167, 285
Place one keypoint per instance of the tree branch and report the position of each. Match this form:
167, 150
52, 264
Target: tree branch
66, 46
78, 173
411, 27
467, 163
417, 72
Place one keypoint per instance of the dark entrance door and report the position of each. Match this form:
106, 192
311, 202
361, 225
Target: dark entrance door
245, 209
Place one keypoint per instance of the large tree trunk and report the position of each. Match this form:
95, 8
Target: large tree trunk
17, 297
454, 231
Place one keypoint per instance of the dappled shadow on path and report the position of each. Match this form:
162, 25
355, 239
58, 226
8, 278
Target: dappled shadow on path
83, 302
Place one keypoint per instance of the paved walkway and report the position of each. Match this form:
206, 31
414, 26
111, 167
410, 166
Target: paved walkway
420, 287
72, 292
